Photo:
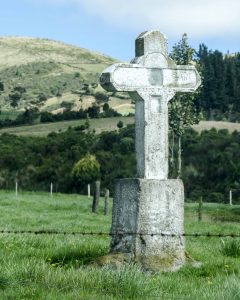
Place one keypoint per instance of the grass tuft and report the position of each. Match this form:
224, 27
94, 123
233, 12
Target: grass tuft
230, 248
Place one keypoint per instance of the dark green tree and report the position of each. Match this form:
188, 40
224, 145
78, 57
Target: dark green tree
1, 86
14, 98
120, 124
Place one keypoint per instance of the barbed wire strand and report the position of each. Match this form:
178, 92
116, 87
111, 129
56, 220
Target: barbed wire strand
91, 233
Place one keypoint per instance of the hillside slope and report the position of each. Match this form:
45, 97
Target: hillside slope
48, 75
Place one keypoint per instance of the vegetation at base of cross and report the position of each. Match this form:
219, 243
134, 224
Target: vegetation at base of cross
58, 267
210, 161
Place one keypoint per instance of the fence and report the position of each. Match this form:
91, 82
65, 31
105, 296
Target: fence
84, 233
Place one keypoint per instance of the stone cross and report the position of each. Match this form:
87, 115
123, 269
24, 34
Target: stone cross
148, 211
152, 79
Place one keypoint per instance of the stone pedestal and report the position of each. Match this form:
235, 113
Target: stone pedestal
146, 212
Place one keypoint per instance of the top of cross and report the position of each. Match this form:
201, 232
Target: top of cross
152, 78
151, 49
152, 68
151, 41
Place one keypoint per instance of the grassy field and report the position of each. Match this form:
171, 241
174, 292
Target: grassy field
100, 125
59, 266
105, 124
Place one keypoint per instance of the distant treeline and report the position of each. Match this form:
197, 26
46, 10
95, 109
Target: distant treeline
33, 116
219, 98
211, 164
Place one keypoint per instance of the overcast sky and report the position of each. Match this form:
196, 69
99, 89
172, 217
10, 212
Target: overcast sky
110, 26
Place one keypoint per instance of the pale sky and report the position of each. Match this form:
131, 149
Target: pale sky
111, 26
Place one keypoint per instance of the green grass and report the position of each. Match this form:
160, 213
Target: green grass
59, 266
11, 114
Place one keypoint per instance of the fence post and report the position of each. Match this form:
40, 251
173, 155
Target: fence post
89, 190
51, 189
16, 188
230, 197
96, 197
200, 206
106, 204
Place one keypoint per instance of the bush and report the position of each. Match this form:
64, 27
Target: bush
86, 170
42, 97
101, 96
120, 124
215, 197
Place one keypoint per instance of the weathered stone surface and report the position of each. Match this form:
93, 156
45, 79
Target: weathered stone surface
151, 204
144, 209
131, 78
152, 79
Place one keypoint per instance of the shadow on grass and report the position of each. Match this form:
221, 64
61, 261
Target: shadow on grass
76, 257
4, 283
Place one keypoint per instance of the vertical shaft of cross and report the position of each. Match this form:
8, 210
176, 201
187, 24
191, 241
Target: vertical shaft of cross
151, 121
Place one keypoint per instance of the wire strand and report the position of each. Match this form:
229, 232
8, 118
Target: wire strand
91, 233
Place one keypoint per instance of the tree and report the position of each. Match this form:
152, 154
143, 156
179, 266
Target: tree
14, 99
93, 111
101, 96
182, 111
120, 124
106, 107
42, 97
86, 170
1, 86
29, 116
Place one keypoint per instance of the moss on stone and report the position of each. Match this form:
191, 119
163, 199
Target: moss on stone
153, 263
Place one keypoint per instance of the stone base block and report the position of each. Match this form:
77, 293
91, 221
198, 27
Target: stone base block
147, 222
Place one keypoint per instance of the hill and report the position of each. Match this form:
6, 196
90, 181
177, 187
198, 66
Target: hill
50, 75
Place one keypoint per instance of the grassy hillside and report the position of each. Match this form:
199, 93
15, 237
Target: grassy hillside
49, 75
105, 124
60, 266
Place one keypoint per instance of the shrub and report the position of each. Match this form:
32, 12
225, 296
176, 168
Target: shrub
87, 169
120, 124
101, 96
215, 197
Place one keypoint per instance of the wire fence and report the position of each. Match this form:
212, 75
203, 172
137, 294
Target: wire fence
91, 233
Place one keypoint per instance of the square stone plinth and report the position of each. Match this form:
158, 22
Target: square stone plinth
147, 223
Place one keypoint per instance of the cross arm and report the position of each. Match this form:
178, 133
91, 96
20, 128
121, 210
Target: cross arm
132, 77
